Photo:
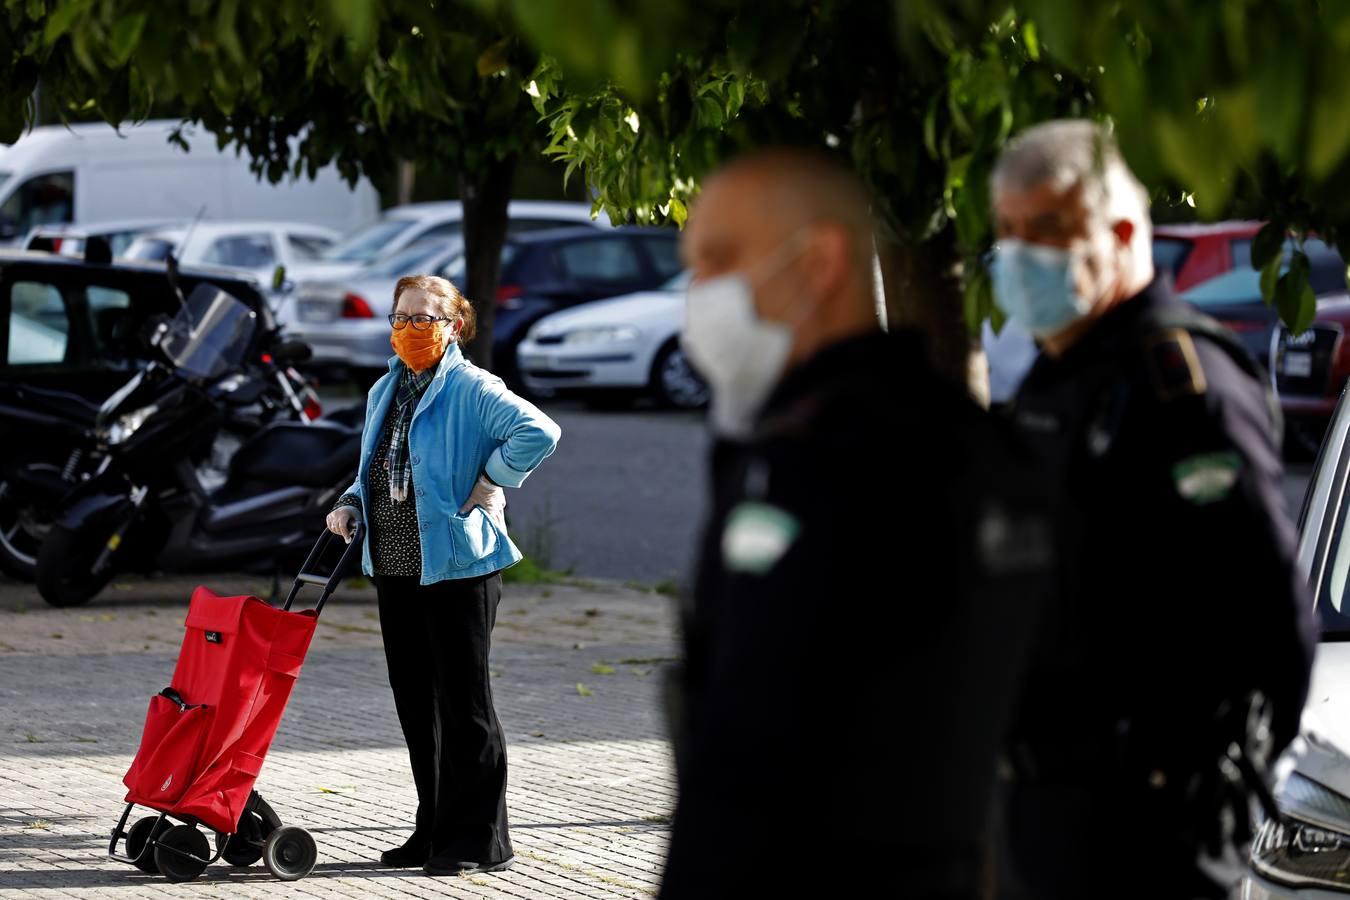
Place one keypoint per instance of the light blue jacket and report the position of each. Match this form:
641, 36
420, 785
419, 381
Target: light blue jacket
466, 423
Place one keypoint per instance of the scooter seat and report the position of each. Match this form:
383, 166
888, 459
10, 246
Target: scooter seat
293, 454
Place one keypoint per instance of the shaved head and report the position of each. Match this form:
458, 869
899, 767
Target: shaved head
790, 188
798, 225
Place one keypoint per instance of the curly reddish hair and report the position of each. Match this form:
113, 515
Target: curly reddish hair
453, 304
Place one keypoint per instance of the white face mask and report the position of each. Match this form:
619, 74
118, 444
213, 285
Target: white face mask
741, 355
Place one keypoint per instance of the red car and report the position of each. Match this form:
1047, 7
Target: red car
1197, 252
1312, 368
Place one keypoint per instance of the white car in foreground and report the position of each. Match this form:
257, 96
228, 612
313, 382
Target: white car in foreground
624, 344
1305, 854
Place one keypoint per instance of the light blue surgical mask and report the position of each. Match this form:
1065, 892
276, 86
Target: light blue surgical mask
1034, 286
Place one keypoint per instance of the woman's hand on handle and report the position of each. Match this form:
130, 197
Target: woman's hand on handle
489, 496
342, 522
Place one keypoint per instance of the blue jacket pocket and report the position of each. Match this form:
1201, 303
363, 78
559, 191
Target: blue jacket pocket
472, 537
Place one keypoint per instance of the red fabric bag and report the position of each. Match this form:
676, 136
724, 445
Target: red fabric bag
239, 660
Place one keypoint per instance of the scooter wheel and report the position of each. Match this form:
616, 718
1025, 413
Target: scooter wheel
187, 840
141, 834
64, 562
290, 853
244, 847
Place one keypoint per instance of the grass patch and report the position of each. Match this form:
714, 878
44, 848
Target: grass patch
527, 571
647, 660
39, 824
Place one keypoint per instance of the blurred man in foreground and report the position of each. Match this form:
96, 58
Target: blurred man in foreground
863, 601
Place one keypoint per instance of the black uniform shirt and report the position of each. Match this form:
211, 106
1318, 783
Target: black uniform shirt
853, 643
1176, 585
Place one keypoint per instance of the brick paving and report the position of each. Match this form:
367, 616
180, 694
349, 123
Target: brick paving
578, 675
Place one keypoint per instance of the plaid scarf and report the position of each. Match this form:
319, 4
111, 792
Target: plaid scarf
410, 389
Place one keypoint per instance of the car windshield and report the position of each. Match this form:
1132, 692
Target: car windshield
210, 333
1323, 550
411, 259
1243, 284
367, 243
150, 249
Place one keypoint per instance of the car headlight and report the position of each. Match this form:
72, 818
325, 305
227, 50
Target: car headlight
1294, 851
125, 426
608, 335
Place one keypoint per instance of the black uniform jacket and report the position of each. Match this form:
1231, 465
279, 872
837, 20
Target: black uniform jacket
868, 583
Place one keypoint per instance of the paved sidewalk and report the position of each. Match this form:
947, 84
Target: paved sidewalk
578, 676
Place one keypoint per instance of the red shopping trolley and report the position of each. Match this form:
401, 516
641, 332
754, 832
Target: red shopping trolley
206, 735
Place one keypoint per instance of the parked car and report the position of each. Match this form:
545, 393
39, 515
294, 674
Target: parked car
344, 322
255, 247
541, 272
1197, 252
623, 345
1305, 853
70, 334
70, 240
1235, 298
403, 226
1191, 254
547, 271
91, 173
1311, 370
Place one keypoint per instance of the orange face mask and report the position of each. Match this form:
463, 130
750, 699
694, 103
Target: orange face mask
422, 349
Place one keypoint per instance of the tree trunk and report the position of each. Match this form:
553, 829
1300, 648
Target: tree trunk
485, 195
407, 178
923, 292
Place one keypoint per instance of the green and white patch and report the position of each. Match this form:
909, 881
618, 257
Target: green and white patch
1207, 477
756, 537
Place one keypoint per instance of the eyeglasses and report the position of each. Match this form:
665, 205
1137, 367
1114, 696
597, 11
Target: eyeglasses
398, 321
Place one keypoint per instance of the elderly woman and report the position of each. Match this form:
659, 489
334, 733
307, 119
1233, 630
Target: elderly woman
442, 438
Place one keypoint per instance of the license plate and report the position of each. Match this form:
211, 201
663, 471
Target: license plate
1296, 365
317, 311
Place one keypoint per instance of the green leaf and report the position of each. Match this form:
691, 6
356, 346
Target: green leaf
1267, 244
678, 212
583, 690
125, 35
59, 22
602, 669
1033, 43
1294, 296
1270, 275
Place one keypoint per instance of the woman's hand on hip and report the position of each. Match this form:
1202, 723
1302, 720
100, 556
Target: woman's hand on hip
342, 522
489, 496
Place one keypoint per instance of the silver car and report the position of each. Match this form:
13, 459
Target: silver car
1305, 853
344, 322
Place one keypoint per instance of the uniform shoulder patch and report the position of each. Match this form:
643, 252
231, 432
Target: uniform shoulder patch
1173, 365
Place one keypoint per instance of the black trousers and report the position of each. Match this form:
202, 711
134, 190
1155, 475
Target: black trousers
436, 643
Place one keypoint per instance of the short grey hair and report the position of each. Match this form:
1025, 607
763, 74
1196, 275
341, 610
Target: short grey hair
1068, 153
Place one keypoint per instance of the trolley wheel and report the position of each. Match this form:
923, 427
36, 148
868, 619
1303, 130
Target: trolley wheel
290, 853
138, 836
186, 839
245, 846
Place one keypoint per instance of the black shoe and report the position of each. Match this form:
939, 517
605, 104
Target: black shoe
440, 866
415, 852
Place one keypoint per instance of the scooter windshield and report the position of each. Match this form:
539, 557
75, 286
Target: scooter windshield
210, 335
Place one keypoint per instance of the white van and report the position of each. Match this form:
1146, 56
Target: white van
89, 173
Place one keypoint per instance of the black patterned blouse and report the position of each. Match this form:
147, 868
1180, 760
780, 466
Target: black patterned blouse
395, 542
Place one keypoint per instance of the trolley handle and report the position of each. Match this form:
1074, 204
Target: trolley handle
328, 583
